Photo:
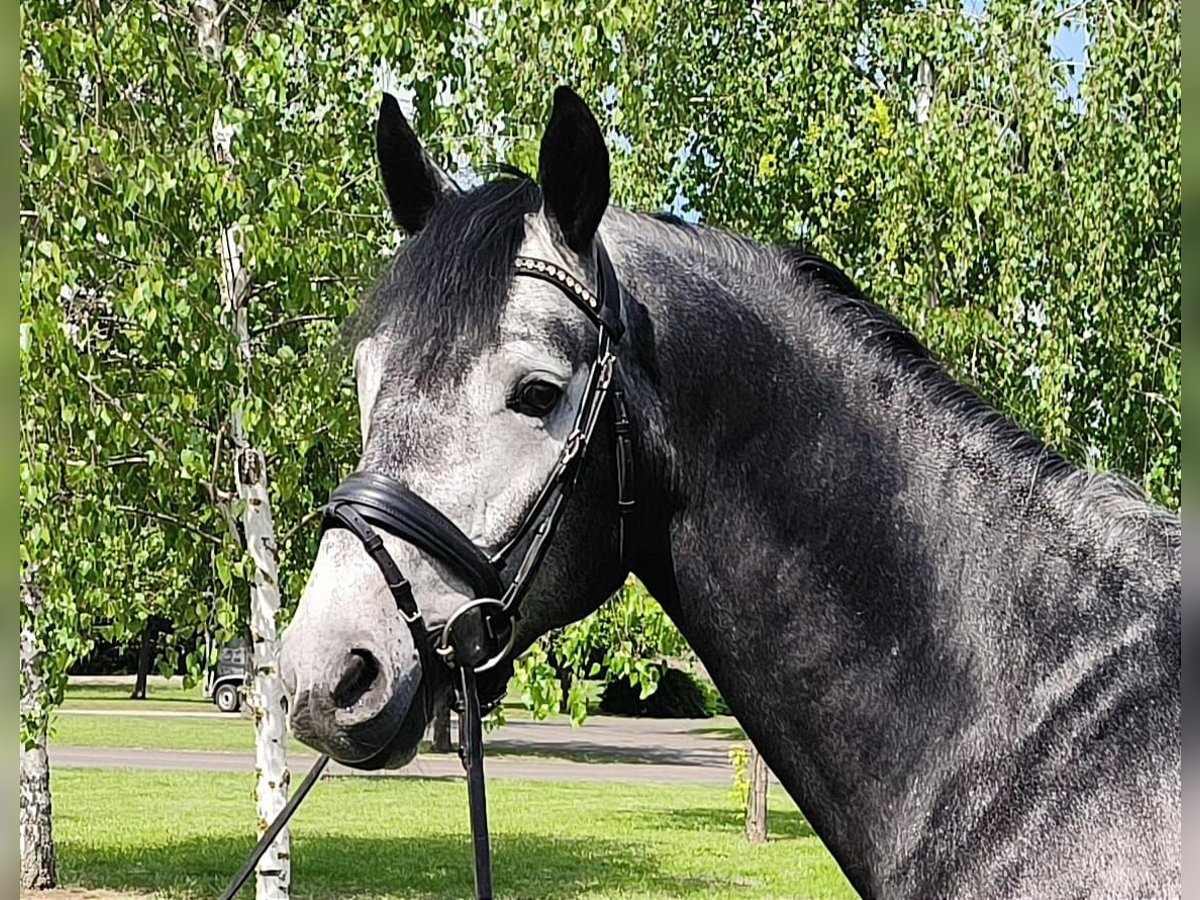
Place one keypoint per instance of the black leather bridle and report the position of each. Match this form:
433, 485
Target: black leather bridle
480, 633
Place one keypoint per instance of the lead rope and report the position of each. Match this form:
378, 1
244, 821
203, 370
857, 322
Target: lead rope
470, 752
276, 826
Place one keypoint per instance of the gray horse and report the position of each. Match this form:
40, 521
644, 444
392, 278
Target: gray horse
959, 653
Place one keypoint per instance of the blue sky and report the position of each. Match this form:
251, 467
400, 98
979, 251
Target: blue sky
1069, 45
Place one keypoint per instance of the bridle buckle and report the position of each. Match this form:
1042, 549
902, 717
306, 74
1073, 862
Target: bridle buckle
469, 638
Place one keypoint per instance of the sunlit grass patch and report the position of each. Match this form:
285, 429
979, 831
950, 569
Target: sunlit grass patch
182, 835
160, 695
227, 733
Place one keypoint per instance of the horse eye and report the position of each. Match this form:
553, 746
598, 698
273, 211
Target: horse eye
536, 398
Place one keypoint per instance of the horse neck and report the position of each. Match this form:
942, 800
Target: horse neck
871, 573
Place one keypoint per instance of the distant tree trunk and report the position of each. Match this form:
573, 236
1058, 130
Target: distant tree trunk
37, 833
143, 665
145, 660
756, 805
564, 680
441, 732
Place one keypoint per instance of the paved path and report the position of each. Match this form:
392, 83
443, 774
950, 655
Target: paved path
686, 741
602, 739
126, 680
605, 749
425, 766
682, 742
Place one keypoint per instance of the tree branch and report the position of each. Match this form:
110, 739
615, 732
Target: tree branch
111, 463
308, 517
125, 415
215, 494
284, 323
171, 520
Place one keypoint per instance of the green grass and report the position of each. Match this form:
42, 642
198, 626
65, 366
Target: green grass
158, 696
172, 697
227, 733
181, 835
724, 728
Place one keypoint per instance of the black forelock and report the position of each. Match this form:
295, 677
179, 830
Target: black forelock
443, 292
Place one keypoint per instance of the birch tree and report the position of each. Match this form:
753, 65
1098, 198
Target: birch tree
37, 832
133, 473
756, 798
273, 876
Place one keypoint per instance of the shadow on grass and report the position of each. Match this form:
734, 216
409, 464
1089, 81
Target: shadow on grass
581, 751
430, 866
781, 823
590, 752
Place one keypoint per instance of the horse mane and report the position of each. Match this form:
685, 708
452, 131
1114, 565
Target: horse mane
887, 336
1118, 504
671, 219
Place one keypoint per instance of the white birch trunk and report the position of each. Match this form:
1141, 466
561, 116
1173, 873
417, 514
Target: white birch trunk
37, 834
924, 92
756, 802
265, 696
273, 878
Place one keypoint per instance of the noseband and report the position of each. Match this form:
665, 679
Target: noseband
480, 633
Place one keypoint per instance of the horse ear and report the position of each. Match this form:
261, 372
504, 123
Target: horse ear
412, 183
573, 169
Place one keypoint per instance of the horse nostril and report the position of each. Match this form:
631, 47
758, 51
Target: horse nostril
361, 672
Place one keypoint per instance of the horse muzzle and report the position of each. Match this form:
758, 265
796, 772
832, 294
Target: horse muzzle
364, 707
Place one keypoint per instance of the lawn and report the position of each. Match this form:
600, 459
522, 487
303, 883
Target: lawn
181, 835
223, 732
160, 694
